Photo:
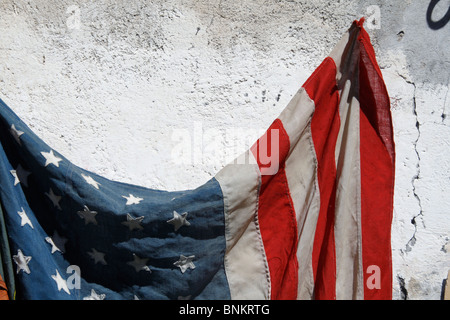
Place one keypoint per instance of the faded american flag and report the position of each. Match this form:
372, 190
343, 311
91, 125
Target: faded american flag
309, 219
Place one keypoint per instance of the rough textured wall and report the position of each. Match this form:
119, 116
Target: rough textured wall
117, 86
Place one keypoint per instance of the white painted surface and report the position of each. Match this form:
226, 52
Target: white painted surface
117, 86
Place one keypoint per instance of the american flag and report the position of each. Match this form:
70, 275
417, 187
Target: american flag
303, 214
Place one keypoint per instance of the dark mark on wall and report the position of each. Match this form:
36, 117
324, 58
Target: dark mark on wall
435, 25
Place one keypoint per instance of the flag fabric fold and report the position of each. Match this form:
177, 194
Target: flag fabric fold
305, 213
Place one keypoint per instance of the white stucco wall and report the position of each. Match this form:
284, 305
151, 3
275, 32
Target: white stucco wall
115, 86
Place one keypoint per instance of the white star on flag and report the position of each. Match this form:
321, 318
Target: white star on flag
185, 263
50, 158
16, 178
91, 181
97, 256
54, 198
60, 282
88, 215
54, 247
24, 218
133, 223
57, 242
16, 133
20, 175
139, 264
22, 262
179, 220
131, 199
95, 296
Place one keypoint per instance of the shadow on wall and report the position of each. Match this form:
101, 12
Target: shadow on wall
417, 29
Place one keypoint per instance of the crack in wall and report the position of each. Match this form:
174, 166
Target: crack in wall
412, 241
444, 115
403, 290
216, 12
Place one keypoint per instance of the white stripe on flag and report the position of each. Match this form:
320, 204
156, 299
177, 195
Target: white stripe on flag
245, 261
303, 185
347, 227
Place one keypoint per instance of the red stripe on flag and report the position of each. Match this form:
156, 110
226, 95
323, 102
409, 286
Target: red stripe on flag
276, 215
321, 88
377, 175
